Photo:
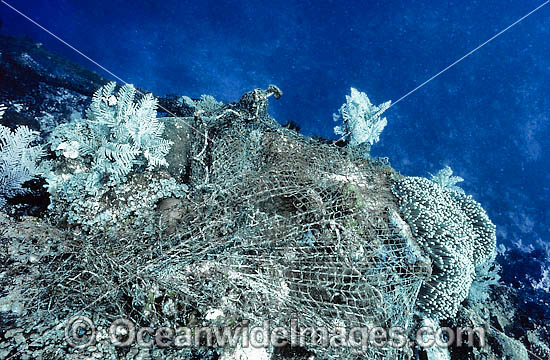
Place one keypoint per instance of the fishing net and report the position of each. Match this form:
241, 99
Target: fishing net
283, 227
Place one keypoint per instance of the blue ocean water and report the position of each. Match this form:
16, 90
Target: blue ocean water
488, 117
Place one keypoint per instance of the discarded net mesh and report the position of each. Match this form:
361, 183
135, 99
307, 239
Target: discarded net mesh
283, 227
251, 221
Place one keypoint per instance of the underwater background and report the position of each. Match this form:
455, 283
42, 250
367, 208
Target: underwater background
487, 117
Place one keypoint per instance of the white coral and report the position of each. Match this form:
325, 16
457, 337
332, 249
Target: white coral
455, 232
361, 119
445, 179
70, 149
18, 159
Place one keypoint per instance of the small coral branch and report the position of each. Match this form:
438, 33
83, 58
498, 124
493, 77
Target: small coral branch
18, 159
362, 123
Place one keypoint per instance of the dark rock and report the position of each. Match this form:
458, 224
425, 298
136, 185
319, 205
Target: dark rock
40, 88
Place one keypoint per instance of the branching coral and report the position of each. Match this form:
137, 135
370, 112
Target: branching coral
362, 123
445, 178
117, 135
18, 159
97, 154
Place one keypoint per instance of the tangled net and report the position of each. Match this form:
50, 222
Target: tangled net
282, 227
275, 227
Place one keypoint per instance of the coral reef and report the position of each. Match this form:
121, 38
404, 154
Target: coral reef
238, 220
456, 233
